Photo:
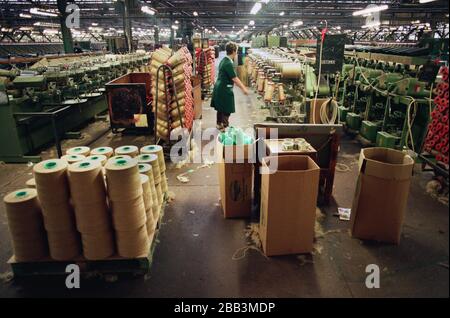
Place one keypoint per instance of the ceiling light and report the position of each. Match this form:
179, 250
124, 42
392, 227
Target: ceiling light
251, 23
371, 25
281, 13
148, 10
246, 27
256, 8
426, 1
175, 27
297, 23
265, 1
370, 10
46, 13
94, 24
195, 14
25, 15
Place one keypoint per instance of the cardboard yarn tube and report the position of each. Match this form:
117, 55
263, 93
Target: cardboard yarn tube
133, 244
58, 217
23, 212
51, 181
53, 192
154, 162
100, 158
156, 150
128, 215
128, 150
31, 183
164, 185
64, 246
105, 151
82, 150
160, 194
98, 245
291, 71
123, 181
73, 158
91, 210
147, 170
147, 195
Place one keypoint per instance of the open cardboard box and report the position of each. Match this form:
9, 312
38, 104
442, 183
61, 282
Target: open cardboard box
235, 179
381, 195
288, 205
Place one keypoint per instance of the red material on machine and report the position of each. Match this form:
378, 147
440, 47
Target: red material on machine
436, 142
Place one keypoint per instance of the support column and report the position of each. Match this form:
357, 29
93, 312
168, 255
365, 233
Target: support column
65, 31
127, 25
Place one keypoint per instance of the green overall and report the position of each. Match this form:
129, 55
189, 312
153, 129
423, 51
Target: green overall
223, 97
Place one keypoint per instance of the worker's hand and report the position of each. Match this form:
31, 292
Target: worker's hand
246, 91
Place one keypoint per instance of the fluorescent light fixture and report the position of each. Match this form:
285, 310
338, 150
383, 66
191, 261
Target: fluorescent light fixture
148, 10
256, 8
265, 1
281, 13
175, 27
371, 10
195, 14
25, 15
26, 28
426, 1
297, 23
251, 23
176, 21
46, 13
371, 25
51, 31
94, 24
246, 27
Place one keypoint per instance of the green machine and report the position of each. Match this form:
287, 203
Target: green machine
384, 92
42, 106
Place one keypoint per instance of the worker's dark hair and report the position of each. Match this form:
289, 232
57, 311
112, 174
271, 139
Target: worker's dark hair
231, 48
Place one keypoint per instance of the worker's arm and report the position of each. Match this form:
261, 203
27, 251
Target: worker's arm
238, 82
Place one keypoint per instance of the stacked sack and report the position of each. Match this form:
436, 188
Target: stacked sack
437, 142
129, 217
169, 117
205, 67
188, 101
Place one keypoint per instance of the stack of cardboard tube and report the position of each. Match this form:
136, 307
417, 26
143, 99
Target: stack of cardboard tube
127, 206
148, 203
152, 160
54, 195
158, 151
87, 188
147, 170
26, 227
64, 200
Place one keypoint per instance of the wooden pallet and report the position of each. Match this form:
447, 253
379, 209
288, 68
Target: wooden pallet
112, 265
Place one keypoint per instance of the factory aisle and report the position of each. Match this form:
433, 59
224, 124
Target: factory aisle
200, 254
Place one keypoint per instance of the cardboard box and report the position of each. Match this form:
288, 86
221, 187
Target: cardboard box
235, 179
288, 205
381, 194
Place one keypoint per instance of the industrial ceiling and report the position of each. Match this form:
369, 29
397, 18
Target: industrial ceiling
220, 16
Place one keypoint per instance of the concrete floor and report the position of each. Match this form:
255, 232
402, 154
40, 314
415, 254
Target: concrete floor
194, 257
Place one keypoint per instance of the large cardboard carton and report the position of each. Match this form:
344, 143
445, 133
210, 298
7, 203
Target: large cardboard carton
235, 179
381, 194
288, 205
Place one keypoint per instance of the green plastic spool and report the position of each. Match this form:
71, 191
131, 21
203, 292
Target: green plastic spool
50, 165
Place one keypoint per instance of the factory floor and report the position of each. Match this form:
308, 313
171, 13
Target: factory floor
200, 253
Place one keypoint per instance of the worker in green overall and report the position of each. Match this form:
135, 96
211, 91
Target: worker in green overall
223, 97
